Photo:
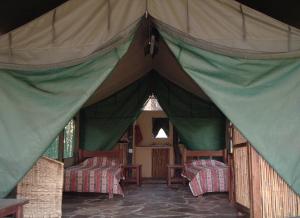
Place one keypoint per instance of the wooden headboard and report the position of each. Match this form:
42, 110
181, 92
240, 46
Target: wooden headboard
116, 153
189, 154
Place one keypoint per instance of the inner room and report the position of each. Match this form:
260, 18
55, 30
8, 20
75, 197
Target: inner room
152, 154
148, 108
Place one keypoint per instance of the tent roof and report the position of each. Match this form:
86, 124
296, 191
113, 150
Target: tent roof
136, 64
54, 39
12, 17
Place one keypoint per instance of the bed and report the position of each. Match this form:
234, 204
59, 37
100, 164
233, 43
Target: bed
97, 172
206, 175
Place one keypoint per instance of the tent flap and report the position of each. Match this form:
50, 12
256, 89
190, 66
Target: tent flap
199, 123
261, 98
38, 104
103, 123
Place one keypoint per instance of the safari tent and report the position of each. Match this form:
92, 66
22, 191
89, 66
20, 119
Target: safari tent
205, 61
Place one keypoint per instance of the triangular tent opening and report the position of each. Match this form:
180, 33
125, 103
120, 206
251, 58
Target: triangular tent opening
199, 123
152, 104
50, 69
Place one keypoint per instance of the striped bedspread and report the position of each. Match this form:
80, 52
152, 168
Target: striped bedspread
206, 176
97, 174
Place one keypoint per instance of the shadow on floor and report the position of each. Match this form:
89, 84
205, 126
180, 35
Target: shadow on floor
149, 200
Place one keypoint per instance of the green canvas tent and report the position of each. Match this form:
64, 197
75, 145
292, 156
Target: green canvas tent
83, 52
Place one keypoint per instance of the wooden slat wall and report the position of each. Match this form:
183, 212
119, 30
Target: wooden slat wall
258, 187
241, 175
254, 174
237, 137
278, 200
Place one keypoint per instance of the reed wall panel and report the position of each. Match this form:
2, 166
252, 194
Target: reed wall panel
278, 200
241, 175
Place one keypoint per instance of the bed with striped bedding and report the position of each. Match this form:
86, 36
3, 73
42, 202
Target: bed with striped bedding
206, 175
96, 174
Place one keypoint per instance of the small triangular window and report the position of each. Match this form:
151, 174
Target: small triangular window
161, 134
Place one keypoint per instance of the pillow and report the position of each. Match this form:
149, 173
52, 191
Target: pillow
207, 163
100, 162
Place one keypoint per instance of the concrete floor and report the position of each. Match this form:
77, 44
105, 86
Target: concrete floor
149, 200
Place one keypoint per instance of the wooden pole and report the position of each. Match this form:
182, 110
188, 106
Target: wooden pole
61, 145
255, 192
77, 137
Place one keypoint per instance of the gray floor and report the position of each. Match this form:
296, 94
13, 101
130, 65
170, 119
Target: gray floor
149, 200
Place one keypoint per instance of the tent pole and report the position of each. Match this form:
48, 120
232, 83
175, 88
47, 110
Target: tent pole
77, 137
61, 145
255, 192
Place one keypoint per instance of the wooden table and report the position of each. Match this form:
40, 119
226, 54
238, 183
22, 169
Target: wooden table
12, 207
171, 179
138, 173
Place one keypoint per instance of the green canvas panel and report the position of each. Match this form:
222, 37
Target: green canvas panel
36, 106
52, 150
200, 124
103, 123
261, 97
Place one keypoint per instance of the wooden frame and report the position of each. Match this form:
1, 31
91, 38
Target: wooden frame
254, 176
12, 207
189, 154
244, 205
77, 138
117, 154
138, 173
61, 145
170, 179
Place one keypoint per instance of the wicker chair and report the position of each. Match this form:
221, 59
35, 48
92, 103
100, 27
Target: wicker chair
42, 186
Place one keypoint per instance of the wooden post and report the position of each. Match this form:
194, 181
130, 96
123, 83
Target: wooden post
184, 156
231, 178
169, 176
254, 175
138, 175
225, 156
19, 213
177, 153
77, 137
61, 145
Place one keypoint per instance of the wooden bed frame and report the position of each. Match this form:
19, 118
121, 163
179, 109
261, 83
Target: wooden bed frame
117, 154
189, 154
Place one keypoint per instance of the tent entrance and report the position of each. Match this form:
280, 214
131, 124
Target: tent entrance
199, 124
252, 80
